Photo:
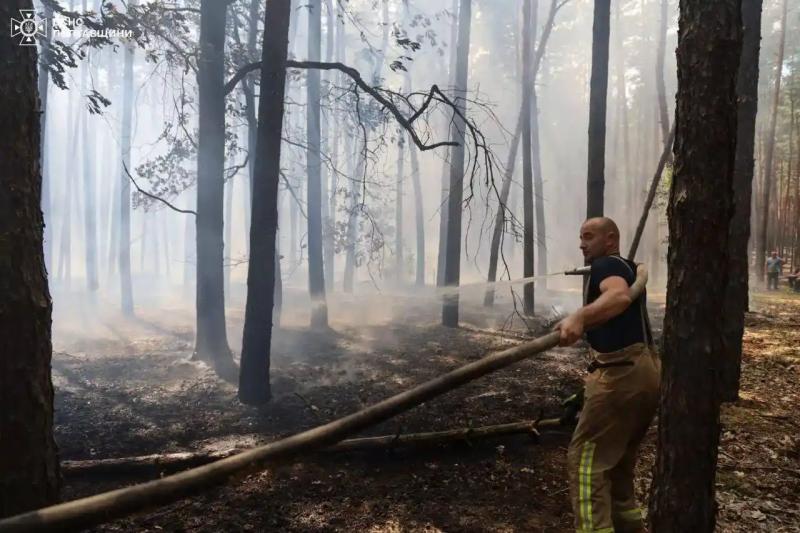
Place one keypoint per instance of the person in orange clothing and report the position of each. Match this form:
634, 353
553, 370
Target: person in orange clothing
621, 390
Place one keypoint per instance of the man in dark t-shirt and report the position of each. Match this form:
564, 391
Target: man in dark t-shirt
621, 392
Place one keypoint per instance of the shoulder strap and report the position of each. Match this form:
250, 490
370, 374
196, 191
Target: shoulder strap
618, 258
645, 317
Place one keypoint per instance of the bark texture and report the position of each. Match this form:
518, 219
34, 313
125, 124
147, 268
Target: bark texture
28, 458
528, 25
211, 336
739, 234
709, 47
452, 266
257, 336
598, 91
316, 274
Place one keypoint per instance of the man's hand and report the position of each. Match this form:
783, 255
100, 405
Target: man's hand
571, 329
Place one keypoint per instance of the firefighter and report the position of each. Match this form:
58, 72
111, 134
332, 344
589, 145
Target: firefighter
621, 390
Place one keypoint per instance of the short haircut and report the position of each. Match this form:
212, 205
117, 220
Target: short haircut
605, 225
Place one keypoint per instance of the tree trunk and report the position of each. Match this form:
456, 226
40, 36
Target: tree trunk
352, 217
651, 194
189, 251
536, 160
446, 165
112, 179
419, 218
294, 238
228, 260
329, 191
248, 88
65, 245
494, 250
398, 209
165, 235
211, 336
143, 243
254, 385
29, 476
622, 97
452, 267
528, 25
124, 240
709, 48
598, 89
43, 85
419, 206
316, 274
796, 246
502, 207
661, 89
339, 35
538, 187
761, 251
89, 193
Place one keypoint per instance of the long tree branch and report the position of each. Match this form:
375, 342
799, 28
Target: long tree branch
406, 123
154, 197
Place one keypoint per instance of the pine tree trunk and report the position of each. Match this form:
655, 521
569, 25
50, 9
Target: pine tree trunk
528, 25
228, 259
254, 385
65, 244
89, 193
536, 160
622, 117
452, 267
352, 217
398, 210
447, 163
316, 274
43, 86
598, 90
29, 476
761, 252
419, 218
143, 241
502, 208
211, 336
709, 48
248, 87
661, 89
124, 239
189, 251
538, 188
329, 189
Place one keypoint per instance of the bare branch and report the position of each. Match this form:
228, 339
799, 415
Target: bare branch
154, 197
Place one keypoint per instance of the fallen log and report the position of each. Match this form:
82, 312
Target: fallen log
101, 508
158, 464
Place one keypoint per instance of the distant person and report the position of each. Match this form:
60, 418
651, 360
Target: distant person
774, 269
794, 280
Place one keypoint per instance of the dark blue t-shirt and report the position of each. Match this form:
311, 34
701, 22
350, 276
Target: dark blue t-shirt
626, 328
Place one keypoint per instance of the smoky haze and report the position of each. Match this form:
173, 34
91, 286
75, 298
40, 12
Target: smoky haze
402, 46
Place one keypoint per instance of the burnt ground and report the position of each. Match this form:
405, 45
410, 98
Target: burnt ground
129, 389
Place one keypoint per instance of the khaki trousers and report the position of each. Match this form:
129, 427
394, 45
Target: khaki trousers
620, 403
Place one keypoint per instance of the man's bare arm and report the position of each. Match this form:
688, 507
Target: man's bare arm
613, 300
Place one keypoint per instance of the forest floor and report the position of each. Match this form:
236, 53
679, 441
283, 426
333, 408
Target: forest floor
129, 389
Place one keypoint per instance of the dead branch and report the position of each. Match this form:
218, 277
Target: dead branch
651, 194
376, 93
158, 464
154, 197
101, 508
